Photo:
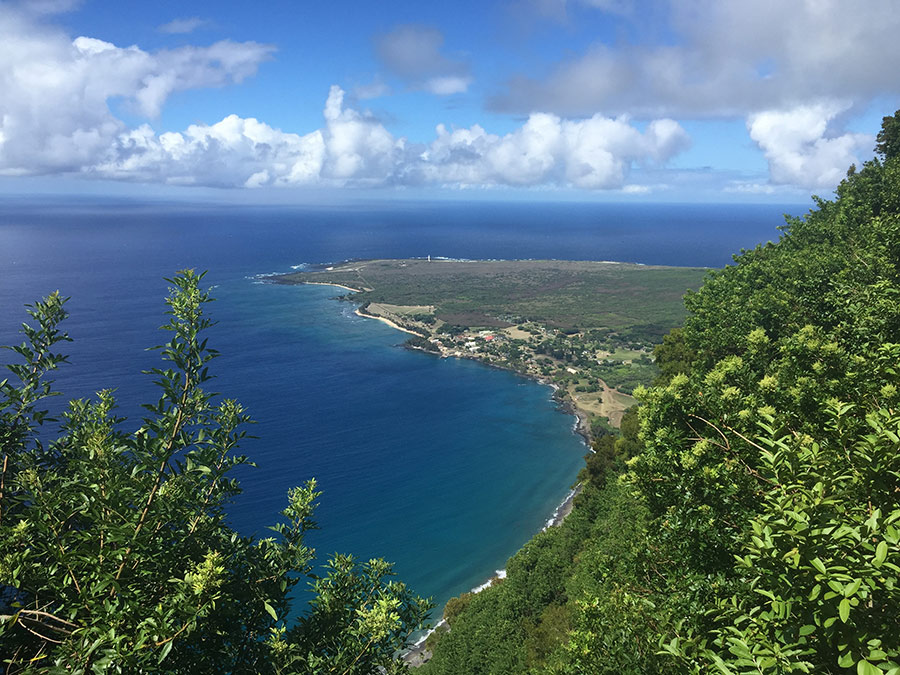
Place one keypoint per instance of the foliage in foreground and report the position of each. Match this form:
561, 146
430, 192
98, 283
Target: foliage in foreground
114, 552
757, 527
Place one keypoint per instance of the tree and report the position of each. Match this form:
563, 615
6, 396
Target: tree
887, 143
114, 551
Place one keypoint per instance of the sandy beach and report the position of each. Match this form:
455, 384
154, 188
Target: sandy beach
383, 319
326, 283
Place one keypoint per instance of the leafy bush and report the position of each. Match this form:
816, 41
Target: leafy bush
757, 528
114, 551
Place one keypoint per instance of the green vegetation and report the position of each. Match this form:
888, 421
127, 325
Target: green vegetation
744, 519
114, 551
643, 300
754, 524
589, 327
519, 623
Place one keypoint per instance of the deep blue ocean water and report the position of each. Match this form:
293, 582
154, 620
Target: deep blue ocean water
445, 467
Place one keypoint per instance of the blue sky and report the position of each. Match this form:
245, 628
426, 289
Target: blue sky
671, 100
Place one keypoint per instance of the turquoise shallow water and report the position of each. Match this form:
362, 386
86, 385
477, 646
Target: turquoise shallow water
444, 466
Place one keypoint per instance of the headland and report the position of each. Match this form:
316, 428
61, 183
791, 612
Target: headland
587, 328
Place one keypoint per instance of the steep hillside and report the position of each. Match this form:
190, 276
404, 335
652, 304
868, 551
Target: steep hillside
754, 526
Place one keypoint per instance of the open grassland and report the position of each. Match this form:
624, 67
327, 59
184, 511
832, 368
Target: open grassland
568, 295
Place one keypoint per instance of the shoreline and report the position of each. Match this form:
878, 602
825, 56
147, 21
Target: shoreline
418, 654
328, 283
582, 424
359, 312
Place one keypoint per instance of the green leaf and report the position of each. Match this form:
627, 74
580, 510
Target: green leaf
270, 610
851, 588
807, 630
866, 668
819, 565
881, 552
164, 652
844, 610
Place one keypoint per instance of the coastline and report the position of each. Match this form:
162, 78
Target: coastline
589, 347
582, 423
359, 312
419, 653
328, 283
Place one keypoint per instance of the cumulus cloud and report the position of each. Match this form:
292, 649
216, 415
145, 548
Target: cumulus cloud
239, 152
779, 65
595, 153
182, 26
235, 152
413, 53
799, 149
55, 118
726, 57
358, 147
353, 148
54, 112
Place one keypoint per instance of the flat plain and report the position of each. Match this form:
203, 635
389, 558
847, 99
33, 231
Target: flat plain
563, 294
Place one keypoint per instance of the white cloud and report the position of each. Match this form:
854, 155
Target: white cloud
413, 53
357, 147
751, 188
375, 89
596, 153
799, 149
780, 65
726, 57
235, 152
354, 149
54, 112
55, 118
183, 26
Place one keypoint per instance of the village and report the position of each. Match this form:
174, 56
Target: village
594, 372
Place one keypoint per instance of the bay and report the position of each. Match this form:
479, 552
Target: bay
444, 466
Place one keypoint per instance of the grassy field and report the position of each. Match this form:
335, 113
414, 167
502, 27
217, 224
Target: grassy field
569, 295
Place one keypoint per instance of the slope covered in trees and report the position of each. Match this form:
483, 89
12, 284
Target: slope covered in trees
755, 526
114, 551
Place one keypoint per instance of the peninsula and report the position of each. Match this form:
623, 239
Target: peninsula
587, 328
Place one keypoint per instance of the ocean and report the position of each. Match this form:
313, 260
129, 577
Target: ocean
445, 467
